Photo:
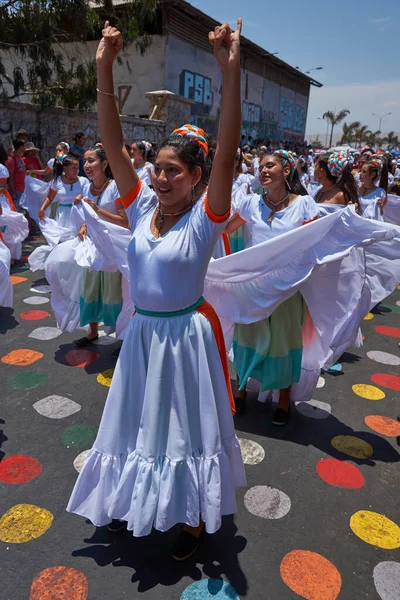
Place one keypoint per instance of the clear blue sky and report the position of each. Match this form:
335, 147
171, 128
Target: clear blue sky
355, 41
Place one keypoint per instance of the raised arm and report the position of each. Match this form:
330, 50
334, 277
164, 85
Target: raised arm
227, 51
107, 112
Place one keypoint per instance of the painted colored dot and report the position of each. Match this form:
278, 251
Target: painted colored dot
63, 583
28, 380
336, 368
383, 425
311, 575
34, 315
81, 358
375, 529
80, 460
104, 339
320, 382
368, 317
340, 473
17, 279
390, 308
36, 300
352, 446
398, 303
105, 377
22, 357
23, 523
40, 289
267, 502
389, 331
384, 358
369, 392
387, 580
56, 407
392, 382
252, 452
314, 409
45, 333
79, 436
19, 469
210, 589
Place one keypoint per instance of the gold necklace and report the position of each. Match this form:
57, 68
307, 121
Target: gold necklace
159, 221
102, 188
71, 183
274, 205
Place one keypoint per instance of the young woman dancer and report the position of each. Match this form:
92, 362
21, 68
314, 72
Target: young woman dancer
338, 186
166, 451
140, 153
270, 351
101, 299
373, 188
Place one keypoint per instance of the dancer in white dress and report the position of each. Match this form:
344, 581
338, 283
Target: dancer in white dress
373, 188
166, 451
13, 225
337, 184
140, 153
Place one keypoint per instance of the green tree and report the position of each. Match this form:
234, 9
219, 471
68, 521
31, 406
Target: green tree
34, 31
360, 134
334, 119
391, 140
348, 136
372, 138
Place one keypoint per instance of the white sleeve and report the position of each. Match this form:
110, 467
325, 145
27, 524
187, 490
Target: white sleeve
310, 209
138, 202
245, 205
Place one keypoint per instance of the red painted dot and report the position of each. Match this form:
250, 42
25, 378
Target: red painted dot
19, 469
34, 315
387, 330
392, 382
340, 473
80, 358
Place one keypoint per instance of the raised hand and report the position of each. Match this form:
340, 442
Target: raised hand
226, 45
110, 45
92, 204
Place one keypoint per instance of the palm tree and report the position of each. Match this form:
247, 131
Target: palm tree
391, 140
349, 132
334, 119
372, 138
360, 133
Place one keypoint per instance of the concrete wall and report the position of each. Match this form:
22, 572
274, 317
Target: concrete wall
48, 127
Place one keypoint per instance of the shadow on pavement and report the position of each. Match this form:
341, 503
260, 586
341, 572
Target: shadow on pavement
7, 320
3, 438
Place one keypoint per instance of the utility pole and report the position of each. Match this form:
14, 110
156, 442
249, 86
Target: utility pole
380, 117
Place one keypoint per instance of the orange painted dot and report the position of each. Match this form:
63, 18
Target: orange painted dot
389, 331
392, 382
59, 582
80, 358
19, 469
311, 575
34, 315
22, 357
16, 279
383, 425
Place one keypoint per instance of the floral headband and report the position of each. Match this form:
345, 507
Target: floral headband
147, 145
376, 163
286, 155
195, 133
337, 164
60, 158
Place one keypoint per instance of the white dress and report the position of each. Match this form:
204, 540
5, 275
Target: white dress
144, 173
166, 450
13, 225
6, 291
65, 196
370, 208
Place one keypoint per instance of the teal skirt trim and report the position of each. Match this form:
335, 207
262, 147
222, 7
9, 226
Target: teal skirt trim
101, 299
236, 240
175, 313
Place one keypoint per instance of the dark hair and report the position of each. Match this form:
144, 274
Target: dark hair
17, 143
395, 188
146, 154
239, 157
59, 165
3, 154
294, 184
101, 154
384, 178
303, 165
188, 151
78, 136
346, 183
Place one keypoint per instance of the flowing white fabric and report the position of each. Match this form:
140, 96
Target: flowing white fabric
17, 228
391, 210
54, 234
6, 291
34, 195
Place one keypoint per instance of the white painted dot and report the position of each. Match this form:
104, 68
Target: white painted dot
56, 407
267, 502
398, 303
320, 382
314, 409
384, 357
36, 300
387, 580
41, 289
104, 339
45, 333
252, 452
80, 459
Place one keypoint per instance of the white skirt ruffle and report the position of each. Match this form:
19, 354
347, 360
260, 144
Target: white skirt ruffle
6, 291
166, 451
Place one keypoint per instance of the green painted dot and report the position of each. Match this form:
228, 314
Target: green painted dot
79, 436
21, 269
390, 308
28, 380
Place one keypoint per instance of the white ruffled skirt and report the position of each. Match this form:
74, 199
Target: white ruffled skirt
6, 291
166, 451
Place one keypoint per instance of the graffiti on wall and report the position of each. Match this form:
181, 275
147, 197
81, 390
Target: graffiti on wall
198, 88
258, 123
292, 116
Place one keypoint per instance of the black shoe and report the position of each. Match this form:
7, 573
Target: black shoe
82, 342
240, 404
281, 417
116, 525
186, 545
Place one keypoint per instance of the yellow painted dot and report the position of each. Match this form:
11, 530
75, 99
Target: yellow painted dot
369, 392
352, 446
105, 377
368, 317
23, 523
376, 529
